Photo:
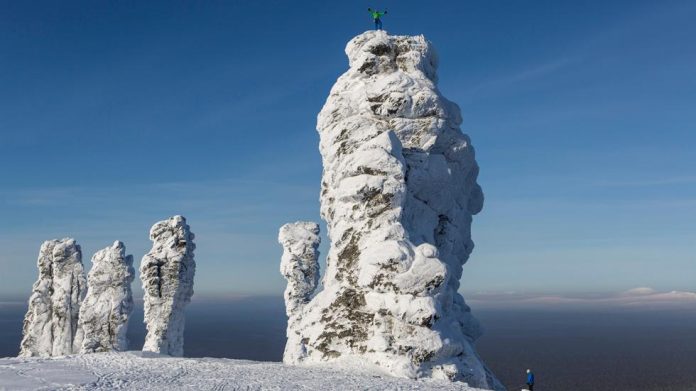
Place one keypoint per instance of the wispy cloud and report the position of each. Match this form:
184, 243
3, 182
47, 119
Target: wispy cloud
638, 298
649, 182
522, 75
190, 193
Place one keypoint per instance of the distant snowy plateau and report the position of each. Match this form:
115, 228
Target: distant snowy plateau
149, 371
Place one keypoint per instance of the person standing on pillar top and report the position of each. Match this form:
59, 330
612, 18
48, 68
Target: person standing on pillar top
376, 15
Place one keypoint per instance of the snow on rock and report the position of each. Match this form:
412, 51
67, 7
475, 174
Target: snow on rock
167, 275
398, 193
109, 302
143, 371
300, 266
51, 323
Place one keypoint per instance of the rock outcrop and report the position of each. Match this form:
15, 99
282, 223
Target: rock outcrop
300, 266
51, 323
167, 273
109, 302
398, 193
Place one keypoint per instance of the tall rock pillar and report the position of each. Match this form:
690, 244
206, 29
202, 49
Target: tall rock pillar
167, 273
105, 311
398, 193
51, 324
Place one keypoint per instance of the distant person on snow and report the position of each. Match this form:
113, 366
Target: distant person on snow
376, 15
530, 380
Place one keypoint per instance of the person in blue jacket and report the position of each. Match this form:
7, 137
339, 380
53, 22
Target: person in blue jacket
530, 380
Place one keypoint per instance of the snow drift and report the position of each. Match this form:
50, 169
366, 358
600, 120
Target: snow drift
51, 323
147, 371
398, 192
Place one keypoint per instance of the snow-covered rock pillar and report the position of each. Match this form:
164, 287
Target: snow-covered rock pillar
300, 266
167, 273
398, 193
109, 302
51, 323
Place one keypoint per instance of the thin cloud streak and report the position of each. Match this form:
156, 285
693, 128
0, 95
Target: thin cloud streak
681, 180
170, 191
523, 75
509, 82
636, 298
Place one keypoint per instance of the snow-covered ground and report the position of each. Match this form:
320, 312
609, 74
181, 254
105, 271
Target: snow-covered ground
148, 371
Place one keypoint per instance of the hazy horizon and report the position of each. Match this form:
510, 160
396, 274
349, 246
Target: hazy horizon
636, 299
614, 348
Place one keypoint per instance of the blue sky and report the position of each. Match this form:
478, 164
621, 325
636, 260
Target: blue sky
114, 115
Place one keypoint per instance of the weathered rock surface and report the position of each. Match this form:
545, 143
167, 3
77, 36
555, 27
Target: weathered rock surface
109, 302
51, 323
167, 273
300, 266
398, 193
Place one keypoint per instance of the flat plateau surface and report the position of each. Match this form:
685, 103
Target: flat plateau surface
141, 371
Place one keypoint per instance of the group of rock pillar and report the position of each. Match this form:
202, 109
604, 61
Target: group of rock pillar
72, 314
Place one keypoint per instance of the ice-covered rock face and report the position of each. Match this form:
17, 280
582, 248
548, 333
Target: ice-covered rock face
109, 302
300, 266
167, 275
398, 193
51, 323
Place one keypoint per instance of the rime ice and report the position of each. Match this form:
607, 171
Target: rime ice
51, 323
109, 302
398, 193
167, 275
300, 266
